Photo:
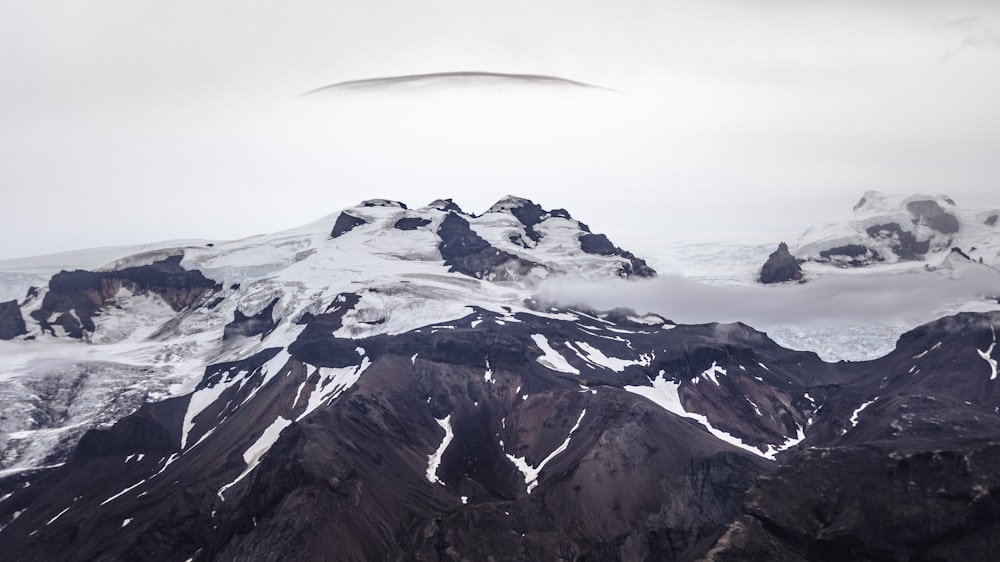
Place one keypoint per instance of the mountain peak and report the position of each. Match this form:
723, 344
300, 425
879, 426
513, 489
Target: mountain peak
444, 205
383, 203
510, 202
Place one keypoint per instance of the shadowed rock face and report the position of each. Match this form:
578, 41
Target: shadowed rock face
77, 296
411, 223
780, 266
904, 244
11, 321
931, 214
600, 245
991, 220
938, 505
466, 252
854, 255
345, 223
530, 214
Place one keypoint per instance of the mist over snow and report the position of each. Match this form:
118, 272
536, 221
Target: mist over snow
840, 316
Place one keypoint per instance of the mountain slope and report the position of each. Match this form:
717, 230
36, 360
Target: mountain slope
385, 386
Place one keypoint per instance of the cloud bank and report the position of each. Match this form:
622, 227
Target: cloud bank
901, 300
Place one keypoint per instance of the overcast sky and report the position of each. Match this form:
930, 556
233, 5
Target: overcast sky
130, 121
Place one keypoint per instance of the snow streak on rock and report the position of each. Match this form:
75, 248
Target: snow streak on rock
987, 355
854, 416
552, 359
434, 460
664, 393
711, 372
260, 447
593, 355
531, 473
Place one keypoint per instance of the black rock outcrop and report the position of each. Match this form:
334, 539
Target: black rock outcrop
781, 266
345, 223
468, 253
11, 321
411, 223
991, 220
600, 245
854, 255
77, 296
931, 214
902, 243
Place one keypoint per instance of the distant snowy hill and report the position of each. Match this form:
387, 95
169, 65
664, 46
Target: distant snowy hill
894, 229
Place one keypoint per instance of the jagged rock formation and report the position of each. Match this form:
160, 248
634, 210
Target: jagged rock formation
466, 252
74, 298
411, 223
345, 223
781, 266
11, 321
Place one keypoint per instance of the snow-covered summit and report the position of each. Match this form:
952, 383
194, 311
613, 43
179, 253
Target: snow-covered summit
887, 229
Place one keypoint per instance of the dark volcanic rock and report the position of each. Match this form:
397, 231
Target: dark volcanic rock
466, 252
465, 441
247, 326
873, 503
345, 223
854, 255
530, 214
84, 293
780, 266
411, 223
11, 321
904, 244
991, 220
600, 245
930, 213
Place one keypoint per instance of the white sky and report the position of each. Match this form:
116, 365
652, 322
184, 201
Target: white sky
134, 121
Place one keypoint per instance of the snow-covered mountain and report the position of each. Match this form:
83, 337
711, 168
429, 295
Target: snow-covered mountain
383, 384
155, 316
900, 229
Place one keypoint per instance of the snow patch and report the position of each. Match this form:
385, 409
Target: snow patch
434, 459
854, 416
531, 473
551, 358
712, 371
987, 354
256, 451
597, 357
60, 514
665, 394
333, 381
